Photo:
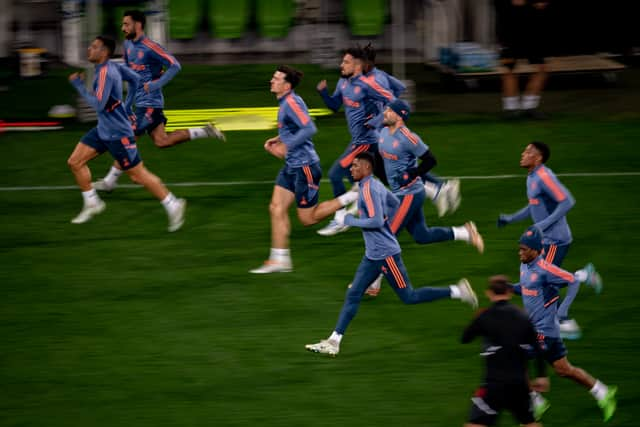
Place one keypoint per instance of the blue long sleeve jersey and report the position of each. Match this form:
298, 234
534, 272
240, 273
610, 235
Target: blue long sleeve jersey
539, 283
376, 205
390, 83
106, 99
148, 58
295, 129
360, 96
549, 203
400, 151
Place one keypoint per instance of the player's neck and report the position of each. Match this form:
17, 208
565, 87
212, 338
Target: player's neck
139, 36
394, 127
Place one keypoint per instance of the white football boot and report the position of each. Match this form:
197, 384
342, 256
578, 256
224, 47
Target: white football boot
89, 211
271, 266
329, 347
467, 293
176, 217
213, 132
475, 237
102, 185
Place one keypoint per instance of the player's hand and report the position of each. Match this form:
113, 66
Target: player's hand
502, 220
540, 5
322, 85
518, 2
271, 141
540, 384
146, 87
76, 76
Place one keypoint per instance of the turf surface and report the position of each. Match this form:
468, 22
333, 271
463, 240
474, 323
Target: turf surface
117, 322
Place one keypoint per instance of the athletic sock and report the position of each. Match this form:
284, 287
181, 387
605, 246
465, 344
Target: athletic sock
170, 203
280, 255
112, 176
536, 398
336, 337
599, 390
461, 233
581, 275
530, 102
90, 197
510, 103
455, 292
196, 133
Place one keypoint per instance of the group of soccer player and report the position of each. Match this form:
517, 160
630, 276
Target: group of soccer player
382, 152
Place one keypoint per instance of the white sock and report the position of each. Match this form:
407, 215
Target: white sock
461, 233
335, 337
536, 398
510, 103
529, 102
280, 255
432, 190
336, 214
169, 203
195, 133
581, 275
455, 292
112, 176
90, 197
599, 390
347, 198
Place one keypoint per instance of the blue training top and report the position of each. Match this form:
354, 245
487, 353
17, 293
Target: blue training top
549, 203
359, 95
106, 99
400, 151
376, 205
539, 283
295, 129
148, 58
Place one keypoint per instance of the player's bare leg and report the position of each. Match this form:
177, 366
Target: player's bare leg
175, 207
77, 162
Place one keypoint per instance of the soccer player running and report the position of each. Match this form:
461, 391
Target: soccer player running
444, 194
400, 150
382, 254
508, 337
539, 282
358, 97
113, 134
156, 67
299, 179
549, 203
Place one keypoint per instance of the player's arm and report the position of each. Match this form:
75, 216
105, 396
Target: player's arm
99, 99
300, 116
521, 215
134, 81
516, 288
559, 193
396, 86
333, 102
541, 366
373, 215
473, 330
419, 149
171, 64
558, 277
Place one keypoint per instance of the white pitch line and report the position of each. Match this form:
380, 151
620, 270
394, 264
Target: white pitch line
240, 183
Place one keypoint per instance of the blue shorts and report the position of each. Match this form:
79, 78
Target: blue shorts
303, 181
552, 348
147, 119
554, 254
124, 150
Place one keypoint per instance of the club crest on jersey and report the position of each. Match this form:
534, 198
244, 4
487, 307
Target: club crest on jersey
140, 54
357, 89
534, 277
395, 143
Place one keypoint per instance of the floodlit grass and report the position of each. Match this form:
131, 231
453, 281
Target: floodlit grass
117, 322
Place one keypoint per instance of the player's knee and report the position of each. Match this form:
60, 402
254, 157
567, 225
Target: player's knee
277, 209
408, 298
74, 163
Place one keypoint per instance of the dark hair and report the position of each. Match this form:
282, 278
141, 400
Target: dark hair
544, 150
356, 51
137, 16
108, 43
370, 53
500, 284
291, 75
367, 157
